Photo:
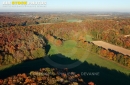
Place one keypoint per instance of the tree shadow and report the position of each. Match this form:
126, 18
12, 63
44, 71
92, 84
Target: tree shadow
47, 47
41, 36
104, 77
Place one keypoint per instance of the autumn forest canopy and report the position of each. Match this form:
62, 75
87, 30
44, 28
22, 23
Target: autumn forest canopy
94, 38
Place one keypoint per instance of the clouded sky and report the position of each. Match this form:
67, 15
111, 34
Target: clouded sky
72, 5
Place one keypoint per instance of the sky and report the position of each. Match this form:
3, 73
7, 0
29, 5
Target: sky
69, 5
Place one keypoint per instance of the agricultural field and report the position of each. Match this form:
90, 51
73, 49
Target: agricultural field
112, 47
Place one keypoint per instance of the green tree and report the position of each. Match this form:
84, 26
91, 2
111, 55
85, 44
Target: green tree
10, 59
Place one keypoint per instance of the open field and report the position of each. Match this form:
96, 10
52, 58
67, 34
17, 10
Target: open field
74, 20
70, 50
112, 47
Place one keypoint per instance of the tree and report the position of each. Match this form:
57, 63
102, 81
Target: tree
118, 57
103, 52
128, 62
125, 60
10, 59
110, 55
114, 57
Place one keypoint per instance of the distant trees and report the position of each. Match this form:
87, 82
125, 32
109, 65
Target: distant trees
7, 21
106, 30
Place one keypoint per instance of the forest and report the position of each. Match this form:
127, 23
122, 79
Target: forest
26, 37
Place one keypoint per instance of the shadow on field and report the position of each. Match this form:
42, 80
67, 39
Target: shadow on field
104, 77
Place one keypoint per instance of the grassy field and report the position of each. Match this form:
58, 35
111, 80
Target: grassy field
70, 50
74, 20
